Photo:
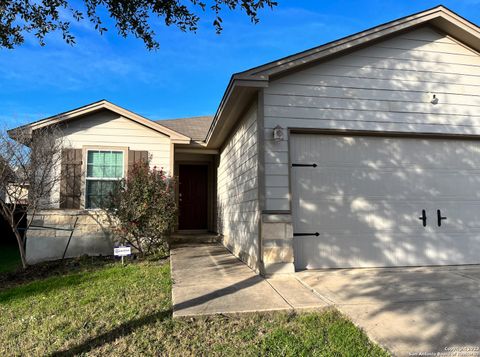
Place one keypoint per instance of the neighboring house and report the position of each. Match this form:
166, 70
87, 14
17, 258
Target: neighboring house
350, 154
17, 193
5, 173
14, 189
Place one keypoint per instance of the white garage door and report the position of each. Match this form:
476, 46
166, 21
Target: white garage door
359, 201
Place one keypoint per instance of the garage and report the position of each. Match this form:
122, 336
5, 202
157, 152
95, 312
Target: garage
377, 201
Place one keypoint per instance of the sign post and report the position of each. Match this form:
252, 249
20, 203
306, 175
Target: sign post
122, 251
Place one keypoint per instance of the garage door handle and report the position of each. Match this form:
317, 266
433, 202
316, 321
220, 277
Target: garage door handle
440, 218
423, 218
316, 234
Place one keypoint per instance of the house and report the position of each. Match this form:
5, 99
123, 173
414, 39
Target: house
363, 152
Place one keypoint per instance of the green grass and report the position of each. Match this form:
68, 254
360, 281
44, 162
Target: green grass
9, 258
107, 309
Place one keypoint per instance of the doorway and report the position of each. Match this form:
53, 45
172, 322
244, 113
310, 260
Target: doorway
193, 197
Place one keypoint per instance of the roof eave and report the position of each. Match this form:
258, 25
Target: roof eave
440, 17
238, 87
259, 77
91, 108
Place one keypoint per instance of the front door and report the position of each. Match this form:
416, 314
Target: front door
193, 202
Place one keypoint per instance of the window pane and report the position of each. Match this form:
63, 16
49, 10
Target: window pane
95, 157
93, 187
109, 159
93, 202
109, 171
119, 158
95, 170
97, 192
107, 187
119, 171
105, 164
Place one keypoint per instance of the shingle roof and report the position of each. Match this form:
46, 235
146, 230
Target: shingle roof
195, 128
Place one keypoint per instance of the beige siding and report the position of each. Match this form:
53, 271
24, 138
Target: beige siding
110, 129
107, 129
385, 87
237, 190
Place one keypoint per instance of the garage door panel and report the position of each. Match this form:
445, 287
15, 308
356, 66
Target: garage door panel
366, 194
387, 249
381, 152
462, 216
370, 215
360, 215
332, 182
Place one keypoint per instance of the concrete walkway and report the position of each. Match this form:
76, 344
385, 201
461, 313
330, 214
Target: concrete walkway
408, 310
208, 279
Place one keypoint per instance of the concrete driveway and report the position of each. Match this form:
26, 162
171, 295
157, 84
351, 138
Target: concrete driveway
408, 310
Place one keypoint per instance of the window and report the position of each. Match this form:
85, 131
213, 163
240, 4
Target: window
104, 169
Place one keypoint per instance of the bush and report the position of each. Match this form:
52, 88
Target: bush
144, 208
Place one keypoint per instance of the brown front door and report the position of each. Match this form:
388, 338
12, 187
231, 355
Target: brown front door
193, 203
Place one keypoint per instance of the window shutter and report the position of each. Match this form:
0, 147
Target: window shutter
135, 156
71, 179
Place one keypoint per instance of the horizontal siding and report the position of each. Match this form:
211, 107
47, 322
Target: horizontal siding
385, 87
237, 189
109, 129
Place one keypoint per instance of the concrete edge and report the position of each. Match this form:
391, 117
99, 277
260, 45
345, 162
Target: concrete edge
332, 304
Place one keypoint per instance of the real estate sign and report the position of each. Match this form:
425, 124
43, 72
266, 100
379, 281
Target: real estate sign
122, 251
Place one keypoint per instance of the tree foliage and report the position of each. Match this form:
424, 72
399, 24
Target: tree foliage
131, 17
144, 208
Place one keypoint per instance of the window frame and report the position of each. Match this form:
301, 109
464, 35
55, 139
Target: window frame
88, 149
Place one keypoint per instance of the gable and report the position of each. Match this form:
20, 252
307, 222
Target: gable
439, 17
245, 85
96, 107
109, 128
392, 82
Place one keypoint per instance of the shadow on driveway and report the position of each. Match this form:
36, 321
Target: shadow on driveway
407, 310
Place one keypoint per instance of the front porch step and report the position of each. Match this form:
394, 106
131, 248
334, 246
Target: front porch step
183, 238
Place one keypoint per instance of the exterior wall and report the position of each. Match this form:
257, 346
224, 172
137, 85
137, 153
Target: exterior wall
108, 129
385, 87
91, 236
277, 243
237, 190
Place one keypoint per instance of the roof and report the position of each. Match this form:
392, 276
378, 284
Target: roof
438, 16
243, 86
95, 107
195, 128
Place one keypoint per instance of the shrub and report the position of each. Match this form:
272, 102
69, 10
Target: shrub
144, 208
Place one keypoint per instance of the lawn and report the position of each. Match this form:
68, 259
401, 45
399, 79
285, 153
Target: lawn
98, 308
9, 258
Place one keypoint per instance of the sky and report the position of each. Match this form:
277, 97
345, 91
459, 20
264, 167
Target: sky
188, 75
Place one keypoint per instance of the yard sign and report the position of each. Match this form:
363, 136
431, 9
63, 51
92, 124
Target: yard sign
122, 251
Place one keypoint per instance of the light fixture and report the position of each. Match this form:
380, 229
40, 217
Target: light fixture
434, 100
278, 133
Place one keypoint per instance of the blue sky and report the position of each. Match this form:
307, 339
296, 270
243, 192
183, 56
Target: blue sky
188, 74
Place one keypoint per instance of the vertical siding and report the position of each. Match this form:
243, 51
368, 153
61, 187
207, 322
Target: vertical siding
109, 129
237, 190
385, 87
